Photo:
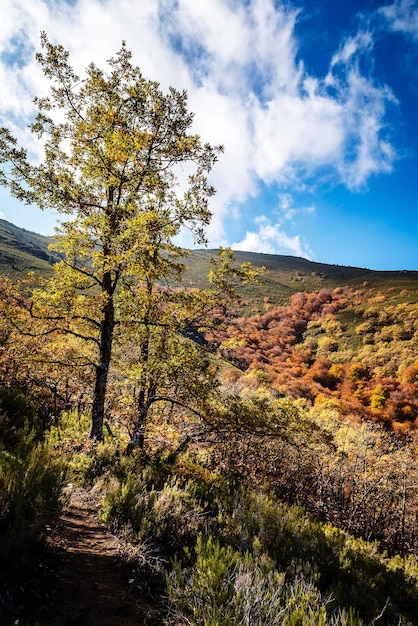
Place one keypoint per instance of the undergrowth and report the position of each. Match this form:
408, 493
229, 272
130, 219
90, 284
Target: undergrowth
272, 563
31, 481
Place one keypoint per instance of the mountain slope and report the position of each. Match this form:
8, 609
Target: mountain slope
22, 251
286, 275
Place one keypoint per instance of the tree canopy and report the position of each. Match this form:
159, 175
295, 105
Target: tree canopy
116, 151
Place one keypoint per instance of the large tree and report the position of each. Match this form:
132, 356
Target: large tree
120, 161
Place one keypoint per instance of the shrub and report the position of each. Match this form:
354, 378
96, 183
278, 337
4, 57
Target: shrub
169, 517
30, 480
225, 588
354, 572
30, 488
101, 460
17, 415
68, 433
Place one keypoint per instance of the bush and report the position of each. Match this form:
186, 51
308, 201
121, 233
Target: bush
169, 518
17, 415
68, 433
92, 465
30, 488
225, 588
354, 572
30, 479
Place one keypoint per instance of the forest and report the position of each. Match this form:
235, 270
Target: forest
252, 448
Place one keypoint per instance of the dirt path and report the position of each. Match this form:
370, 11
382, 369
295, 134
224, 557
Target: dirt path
91, 583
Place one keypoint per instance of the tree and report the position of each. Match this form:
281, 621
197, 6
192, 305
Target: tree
163, 352
116, 150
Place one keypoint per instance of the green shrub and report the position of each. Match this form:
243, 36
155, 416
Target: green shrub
225, 588
100, 460
87, 461
68, 433
125, 504
354, 572
17, 415
30, 488
169, 517
31, 480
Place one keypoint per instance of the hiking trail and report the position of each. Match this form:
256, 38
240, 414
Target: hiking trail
91, 583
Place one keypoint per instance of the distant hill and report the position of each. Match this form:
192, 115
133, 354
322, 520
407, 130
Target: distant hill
22, 251
286, 275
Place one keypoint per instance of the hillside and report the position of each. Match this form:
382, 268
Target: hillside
272, 455
22, 251
286, 275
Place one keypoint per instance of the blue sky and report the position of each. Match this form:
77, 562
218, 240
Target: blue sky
315, 102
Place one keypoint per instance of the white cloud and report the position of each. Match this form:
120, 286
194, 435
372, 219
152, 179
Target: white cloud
238, 62
288, 211
271, 239
359, 43
402, 16
367, 151
293, 130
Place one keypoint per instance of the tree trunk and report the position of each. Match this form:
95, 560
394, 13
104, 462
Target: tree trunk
147, 390
138, 438
102, 370
97, 412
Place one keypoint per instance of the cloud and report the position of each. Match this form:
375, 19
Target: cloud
287, 124
297, 132
402, 17
366, 149
281, 126
288, 211
232, 44
361, 42
270, 238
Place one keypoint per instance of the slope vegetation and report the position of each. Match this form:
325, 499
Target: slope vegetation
22, 251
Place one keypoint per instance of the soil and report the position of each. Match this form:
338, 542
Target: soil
86, 580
